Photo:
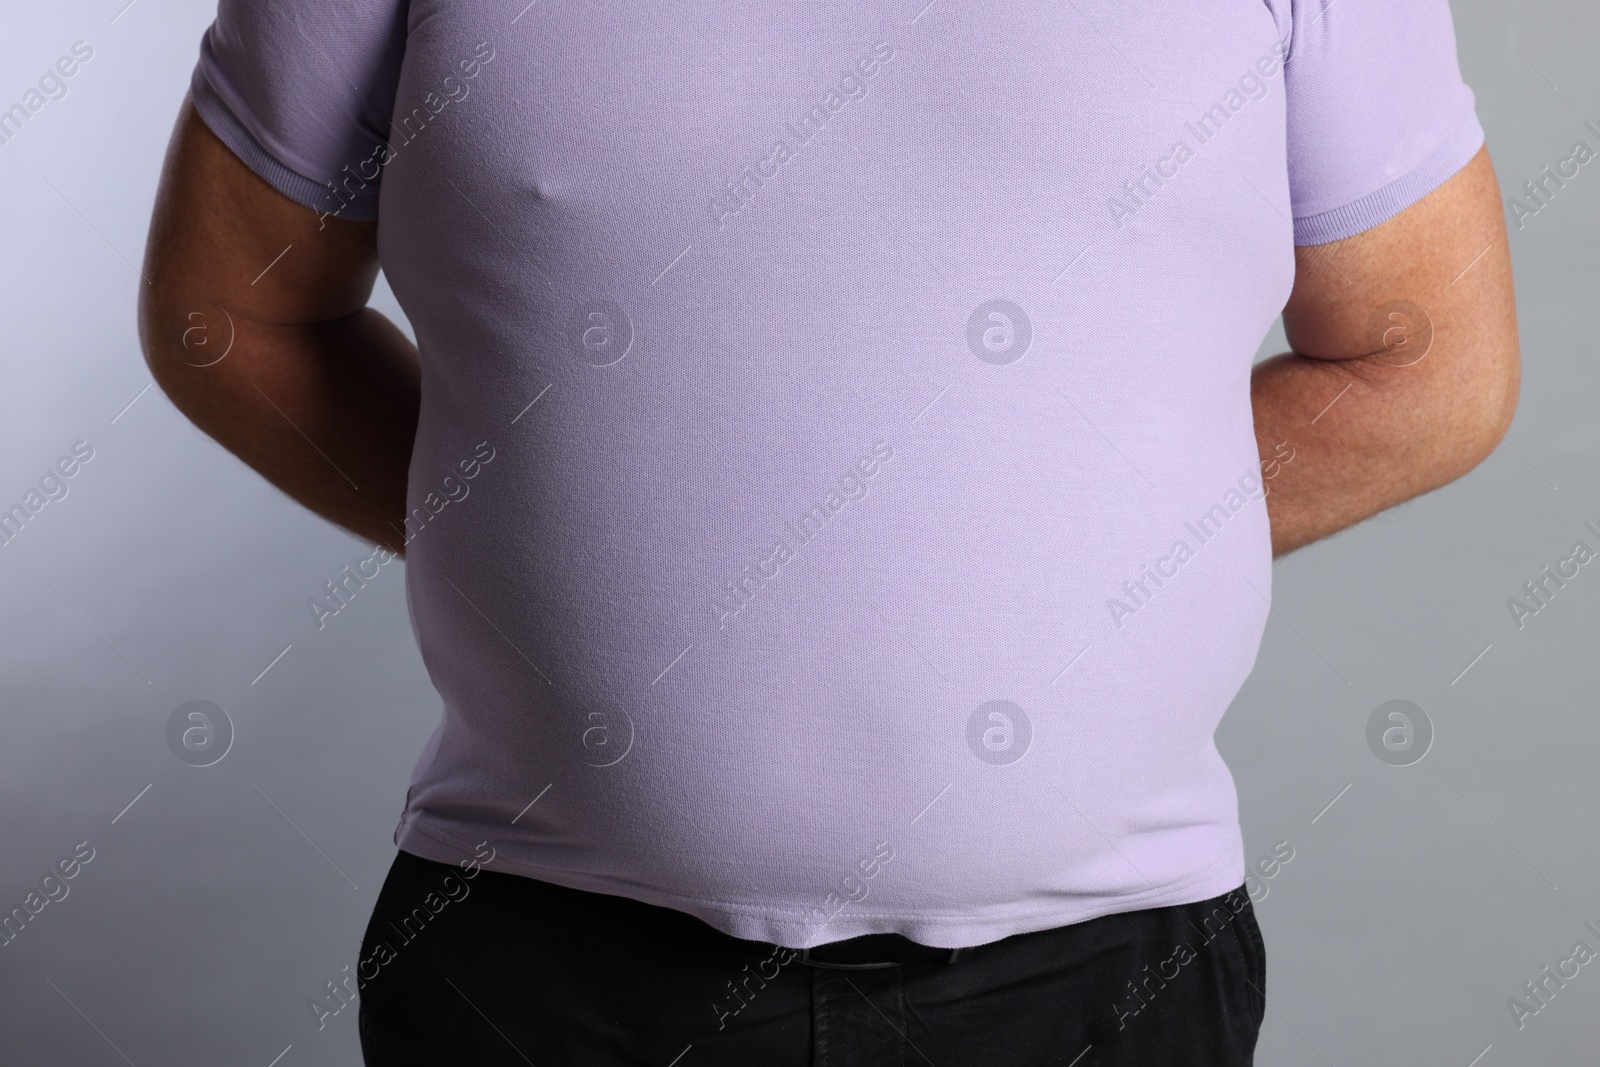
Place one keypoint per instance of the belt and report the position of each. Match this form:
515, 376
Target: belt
876, 950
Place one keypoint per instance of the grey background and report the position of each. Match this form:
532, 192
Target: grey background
1413, 908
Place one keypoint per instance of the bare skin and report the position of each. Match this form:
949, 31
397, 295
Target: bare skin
320, 394
1399, 426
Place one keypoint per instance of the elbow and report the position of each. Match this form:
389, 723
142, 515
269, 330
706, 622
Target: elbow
155, 360
1495, 402
1477, 410
163, 334
155, 326
183, 343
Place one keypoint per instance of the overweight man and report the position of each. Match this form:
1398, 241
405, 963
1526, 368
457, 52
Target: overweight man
836, 497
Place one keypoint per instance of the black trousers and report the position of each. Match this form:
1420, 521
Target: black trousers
500, 969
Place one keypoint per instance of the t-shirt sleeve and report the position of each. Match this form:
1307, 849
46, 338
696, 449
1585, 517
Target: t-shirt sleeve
301, 90
1378, 116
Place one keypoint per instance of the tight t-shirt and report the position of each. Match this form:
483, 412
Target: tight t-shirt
835, 507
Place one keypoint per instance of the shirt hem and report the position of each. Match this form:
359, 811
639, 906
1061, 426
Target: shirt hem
1438, 166
753, 923
220, 118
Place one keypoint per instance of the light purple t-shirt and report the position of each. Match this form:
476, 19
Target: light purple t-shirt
836, 507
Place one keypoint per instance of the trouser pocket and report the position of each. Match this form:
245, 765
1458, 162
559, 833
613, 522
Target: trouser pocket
1256, 953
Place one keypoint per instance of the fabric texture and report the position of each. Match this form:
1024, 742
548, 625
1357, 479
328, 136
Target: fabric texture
835, 506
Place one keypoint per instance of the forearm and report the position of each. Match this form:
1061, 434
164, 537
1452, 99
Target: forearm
326, 413
1341, 440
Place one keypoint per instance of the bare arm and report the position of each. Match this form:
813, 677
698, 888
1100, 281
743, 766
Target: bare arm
317, 392
1367, 422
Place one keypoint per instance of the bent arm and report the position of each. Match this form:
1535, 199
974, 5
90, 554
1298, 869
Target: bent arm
317, 392
1369, 410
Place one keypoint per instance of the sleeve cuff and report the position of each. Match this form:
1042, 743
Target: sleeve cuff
220, 118
1432, 171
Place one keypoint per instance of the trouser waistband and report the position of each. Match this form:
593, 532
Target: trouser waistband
870, 951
